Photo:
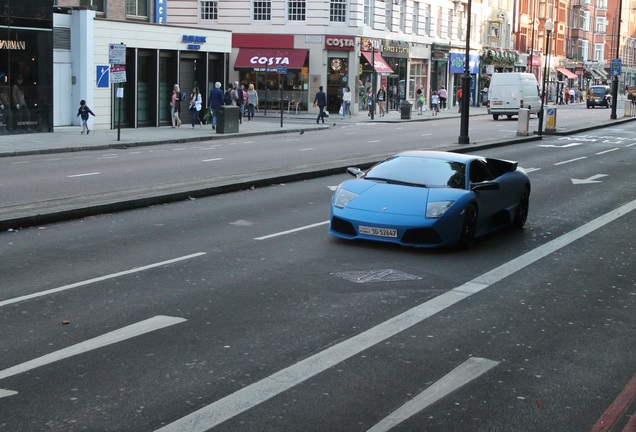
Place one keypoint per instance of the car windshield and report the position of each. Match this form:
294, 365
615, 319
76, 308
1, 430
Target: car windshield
419, 171
598, 91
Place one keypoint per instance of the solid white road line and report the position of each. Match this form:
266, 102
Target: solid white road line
98, 279
259, 392
282, 233
212, 160
471, 369
83, 175
608, 151
571, 160
128, 332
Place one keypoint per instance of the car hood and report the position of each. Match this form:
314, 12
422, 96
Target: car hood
388, 198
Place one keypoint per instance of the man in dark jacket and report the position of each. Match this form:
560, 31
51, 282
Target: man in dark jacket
216, 101
321, 101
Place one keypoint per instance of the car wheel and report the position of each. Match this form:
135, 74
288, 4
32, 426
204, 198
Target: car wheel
509, 116
495, 117
588, 107
469, 229
522, 211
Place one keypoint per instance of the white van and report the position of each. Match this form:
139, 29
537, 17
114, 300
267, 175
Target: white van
510, 91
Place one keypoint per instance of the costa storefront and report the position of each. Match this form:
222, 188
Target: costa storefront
340, 70
271, 62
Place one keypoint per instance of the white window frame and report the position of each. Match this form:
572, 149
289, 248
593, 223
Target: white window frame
369, 12
296, 10
136, 13
261, 10
209, 10
416, 18
338, 11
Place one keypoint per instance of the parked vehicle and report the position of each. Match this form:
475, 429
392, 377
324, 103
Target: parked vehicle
599, 95
631, 94
509, 92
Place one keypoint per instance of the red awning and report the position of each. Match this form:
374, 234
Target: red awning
567, 73
262, 59
378, 62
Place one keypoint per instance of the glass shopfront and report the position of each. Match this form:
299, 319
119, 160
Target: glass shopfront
26, 67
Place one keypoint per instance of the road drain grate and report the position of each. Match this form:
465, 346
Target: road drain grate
387, 275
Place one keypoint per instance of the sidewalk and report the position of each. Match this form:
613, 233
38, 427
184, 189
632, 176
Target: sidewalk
69, 138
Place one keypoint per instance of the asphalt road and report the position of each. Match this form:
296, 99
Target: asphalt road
42, 188
276, 326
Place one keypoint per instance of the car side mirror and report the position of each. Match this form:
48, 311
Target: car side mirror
355, 172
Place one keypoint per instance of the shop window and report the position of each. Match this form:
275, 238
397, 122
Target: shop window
137, 8
209, 9
338, 11
262, 10
296, 10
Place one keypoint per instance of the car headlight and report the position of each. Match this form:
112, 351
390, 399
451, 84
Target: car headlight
343, 198
436, 209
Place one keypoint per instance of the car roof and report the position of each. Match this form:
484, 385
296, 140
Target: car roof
441, 155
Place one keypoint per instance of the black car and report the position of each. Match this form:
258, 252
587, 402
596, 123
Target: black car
599, 95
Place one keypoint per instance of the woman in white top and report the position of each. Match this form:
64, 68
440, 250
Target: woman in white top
195, 106
252, 102
346, 102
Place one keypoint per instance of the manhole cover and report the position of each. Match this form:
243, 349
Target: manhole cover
387, 275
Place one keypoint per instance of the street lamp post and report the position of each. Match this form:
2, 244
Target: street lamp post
617, 30
465, 103
548, 26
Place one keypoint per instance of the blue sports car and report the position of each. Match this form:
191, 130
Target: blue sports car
430, 199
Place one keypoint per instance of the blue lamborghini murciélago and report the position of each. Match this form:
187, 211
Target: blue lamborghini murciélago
430, 199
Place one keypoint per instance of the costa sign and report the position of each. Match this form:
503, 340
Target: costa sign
270, 61
342, 43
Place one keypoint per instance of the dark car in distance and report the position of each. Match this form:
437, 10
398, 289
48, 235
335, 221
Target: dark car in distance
599, 95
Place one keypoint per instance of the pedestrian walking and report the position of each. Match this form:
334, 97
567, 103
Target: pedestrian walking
252, 102
195, 107
175, 106
240, 99
419, 103
434, 103
346, 102
443, 96
83, 113
321, 101
459, 99
216, 101
381, 97
370, 101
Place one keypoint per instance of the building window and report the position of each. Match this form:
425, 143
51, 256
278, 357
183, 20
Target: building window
600, 25
97, 5
427, 20
210, 9
586, 20
601, 4
440, 21
296, 10
368, 12
449, 23
262, 10
389, 16
585, 48
338, 11
137, 8
416, 18
403, 15
599, 52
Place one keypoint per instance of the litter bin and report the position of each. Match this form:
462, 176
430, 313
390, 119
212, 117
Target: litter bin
405, 110
227, 119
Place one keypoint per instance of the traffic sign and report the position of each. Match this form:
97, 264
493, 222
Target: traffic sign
118, 74
282, 70
616, 67
117, 54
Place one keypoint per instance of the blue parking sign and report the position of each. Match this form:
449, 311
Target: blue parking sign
616, 67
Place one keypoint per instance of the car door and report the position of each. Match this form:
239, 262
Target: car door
488, 205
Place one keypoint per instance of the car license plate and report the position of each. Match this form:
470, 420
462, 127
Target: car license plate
497, 103
379, 232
